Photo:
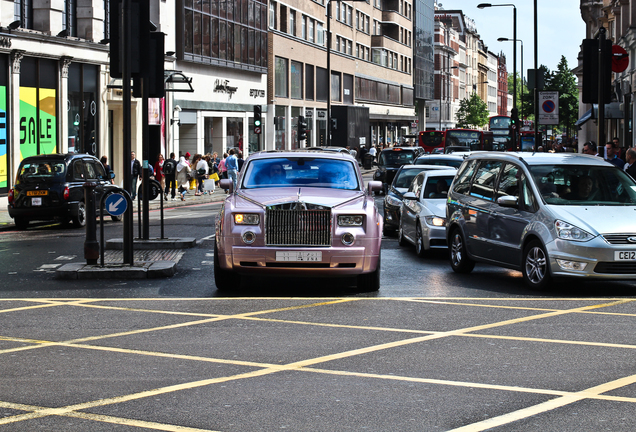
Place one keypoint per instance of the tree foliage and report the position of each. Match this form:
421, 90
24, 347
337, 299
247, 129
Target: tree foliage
472, 113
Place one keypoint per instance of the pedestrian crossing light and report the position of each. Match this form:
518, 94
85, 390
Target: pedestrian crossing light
302, 128
257, 115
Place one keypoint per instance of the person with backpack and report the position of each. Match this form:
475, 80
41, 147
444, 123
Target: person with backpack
170, 173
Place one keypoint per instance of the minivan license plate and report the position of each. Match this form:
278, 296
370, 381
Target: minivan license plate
625, 256
298, 256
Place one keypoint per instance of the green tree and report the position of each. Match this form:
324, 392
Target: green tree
472, 113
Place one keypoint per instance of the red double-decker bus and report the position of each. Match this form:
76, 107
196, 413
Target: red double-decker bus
500, 127
431, 140
468, 139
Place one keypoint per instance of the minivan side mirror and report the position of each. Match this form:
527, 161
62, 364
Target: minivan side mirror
508, 201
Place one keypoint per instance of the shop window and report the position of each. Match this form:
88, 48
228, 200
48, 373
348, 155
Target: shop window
83, 109
281, 77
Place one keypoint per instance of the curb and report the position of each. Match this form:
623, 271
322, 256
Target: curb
154, 270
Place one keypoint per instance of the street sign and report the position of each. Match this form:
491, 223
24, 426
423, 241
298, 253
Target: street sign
115, 204
549, 107
257, 130
620, 59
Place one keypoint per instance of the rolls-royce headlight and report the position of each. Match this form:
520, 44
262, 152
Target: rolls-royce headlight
567, 231
350, 220
246, 219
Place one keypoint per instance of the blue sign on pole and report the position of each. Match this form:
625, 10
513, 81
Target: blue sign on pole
115, 204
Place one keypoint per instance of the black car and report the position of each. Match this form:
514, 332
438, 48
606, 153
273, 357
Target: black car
393, 198
390, 160
50, 187
449, 160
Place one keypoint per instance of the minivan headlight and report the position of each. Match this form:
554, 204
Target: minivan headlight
568, 231
435, 221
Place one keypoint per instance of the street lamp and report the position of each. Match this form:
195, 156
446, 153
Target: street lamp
515, 111
329, 68
502, 39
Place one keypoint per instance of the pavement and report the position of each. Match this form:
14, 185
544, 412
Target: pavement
142, 268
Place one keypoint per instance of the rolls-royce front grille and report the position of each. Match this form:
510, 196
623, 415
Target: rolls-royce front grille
619, 239
298, 227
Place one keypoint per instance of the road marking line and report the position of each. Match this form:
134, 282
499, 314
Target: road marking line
133, 422
547, 406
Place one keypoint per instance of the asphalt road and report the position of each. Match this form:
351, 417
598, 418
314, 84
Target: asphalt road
430, 351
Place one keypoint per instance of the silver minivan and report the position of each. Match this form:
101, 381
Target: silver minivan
545, 214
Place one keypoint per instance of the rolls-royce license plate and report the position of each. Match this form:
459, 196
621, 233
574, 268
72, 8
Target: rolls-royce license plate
298, 256
625, 256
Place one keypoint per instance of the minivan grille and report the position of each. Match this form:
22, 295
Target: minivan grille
619, 239
297, 227
616, 268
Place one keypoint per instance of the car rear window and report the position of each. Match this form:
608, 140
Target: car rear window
301, 171
396, 157
438, 161
41, 169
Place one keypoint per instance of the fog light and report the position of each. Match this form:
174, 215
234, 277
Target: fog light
571, 265
248, 237
348, 239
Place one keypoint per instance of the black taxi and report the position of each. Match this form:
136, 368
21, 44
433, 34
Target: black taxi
390, 160
50, 187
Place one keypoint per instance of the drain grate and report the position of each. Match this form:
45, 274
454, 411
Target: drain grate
141, 256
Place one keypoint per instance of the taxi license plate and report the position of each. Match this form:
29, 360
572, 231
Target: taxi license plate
298, 256
36, 201
37, 193
625, 256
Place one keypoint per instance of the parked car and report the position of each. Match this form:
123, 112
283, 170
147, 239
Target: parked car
50, 187
303, 213
545, 214
423, 211
393, 197
449, 160
390, 160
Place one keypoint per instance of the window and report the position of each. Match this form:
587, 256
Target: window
321, 89
349, 44
304, 28
23, 12
349, 13
292, 22
310, 29
464, 175
509, 181
335, 86
485, 178
296, 76
272, 15
343, 13
320, 34
280, 77
309, 82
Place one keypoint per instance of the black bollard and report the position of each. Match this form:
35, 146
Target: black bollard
91, 245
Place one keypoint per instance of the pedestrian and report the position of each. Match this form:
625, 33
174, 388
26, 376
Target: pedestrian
201, 168
170, 173
206, 185
373, 152
589, 148
610, 152
630, 155
183, 169
222, 168
241, 161
159, 174
231, 164
104, 161
135, 171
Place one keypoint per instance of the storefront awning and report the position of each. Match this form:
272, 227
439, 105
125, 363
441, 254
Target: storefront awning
612, 111
585, 117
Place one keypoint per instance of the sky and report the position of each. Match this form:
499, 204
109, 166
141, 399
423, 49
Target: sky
560, 29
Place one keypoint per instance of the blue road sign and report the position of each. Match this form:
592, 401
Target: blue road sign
116, 204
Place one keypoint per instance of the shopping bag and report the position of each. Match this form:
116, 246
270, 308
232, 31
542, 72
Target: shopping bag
208, 184
193, 184
214, 176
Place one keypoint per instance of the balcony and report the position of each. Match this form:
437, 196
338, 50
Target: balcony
386, 42
391, 17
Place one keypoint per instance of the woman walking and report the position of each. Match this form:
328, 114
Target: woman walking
183, 168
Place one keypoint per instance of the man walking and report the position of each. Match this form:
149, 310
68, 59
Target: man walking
170, 172
231, 164
135, 169
610, 152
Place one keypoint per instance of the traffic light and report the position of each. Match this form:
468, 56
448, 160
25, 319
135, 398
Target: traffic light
334, 124
302, 128
257, 115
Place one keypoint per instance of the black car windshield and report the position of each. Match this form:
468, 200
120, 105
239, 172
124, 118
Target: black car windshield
426, 160
301, 171
584, 185
396, 157
35, 169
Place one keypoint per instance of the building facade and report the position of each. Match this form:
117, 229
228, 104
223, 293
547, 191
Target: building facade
502, 85
423, 58
371, 61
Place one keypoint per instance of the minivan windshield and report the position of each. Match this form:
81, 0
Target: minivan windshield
41, 170
584, 185
301, 171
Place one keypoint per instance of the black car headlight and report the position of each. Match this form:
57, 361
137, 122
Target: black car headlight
391, 200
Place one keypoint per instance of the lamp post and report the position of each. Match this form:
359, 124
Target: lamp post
502, 39
329, 69
515, 111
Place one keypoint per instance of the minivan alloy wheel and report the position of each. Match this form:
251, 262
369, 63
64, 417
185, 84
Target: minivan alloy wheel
536, 265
